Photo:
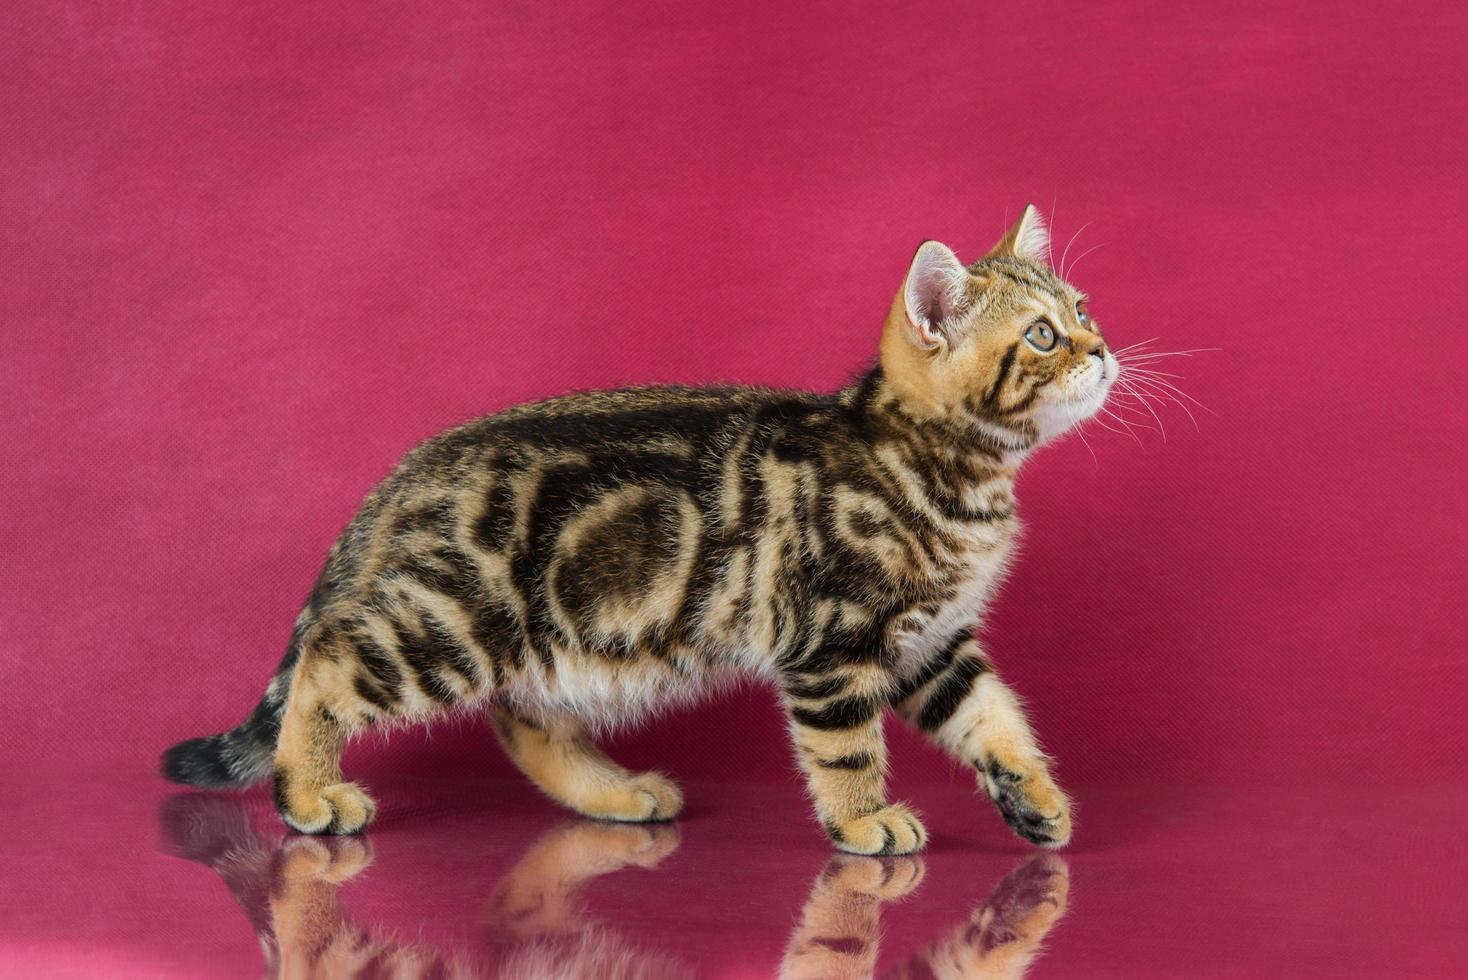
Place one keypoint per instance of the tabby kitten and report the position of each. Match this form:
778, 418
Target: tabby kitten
584, 561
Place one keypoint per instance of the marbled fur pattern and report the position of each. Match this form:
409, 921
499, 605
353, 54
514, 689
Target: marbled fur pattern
585, 561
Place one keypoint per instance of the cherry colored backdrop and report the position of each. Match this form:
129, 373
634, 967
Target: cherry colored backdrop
250, 254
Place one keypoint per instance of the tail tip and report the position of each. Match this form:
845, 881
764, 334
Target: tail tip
198, 762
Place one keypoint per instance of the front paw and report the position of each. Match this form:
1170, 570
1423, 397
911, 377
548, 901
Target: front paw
894, 829
1028, 799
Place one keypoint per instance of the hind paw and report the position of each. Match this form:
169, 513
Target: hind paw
342, 808
646, 798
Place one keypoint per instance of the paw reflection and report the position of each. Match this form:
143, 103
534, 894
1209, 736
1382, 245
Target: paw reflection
535, 919
1004, 936
837, 936
839, 930
541, 895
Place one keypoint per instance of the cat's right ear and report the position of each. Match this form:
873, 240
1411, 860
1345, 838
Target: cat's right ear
934, 294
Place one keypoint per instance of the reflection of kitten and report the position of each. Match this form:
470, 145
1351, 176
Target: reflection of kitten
837, 937
535, 923
580, 561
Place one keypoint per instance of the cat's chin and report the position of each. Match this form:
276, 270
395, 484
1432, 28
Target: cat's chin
1054, 419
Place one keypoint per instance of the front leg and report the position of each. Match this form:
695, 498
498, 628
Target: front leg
836, 725
964, 707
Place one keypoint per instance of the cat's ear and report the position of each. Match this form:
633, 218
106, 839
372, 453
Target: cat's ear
1027, 238
934, 294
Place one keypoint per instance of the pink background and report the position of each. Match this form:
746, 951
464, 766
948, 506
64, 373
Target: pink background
249, 256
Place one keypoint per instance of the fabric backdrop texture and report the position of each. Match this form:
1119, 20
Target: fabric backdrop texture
250, 254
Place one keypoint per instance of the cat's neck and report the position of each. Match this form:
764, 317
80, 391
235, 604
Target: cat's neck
957, 452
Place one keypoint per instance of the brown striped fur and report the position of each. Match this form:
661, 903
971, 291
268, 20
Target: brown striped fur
577, 563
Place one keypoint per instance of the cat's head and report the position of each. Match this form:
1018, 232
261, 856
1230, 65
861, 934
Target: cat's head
1003, 344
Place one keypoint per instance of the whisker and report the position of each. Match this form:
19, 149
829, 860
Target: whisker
1069, 400
1141, 387
1158, 382
1135, 415
1142, 394
1050, 239
1140, 421
1154, 354
1150, 372
1084, 442
1157, 393
1070, 243
1066, 274
1124, 430
1147, 405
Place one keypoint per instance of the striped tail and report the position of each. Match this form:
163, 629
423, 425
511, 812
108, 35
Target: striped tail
242, 755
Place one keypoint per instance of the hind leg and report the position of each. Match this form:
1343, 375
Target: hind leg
567, 767
309, 791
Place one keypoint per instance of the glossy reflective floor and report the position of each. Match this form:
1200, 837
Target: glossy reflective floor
484, 879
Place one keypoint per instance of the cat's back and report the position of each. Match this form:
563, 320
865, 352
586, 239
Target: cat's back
598, 523
641, 457
660, 433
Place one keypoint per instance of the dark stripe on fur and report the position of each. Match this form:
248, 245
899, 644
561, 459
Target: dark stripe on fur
950, 692
1006, 363
931, 669
845, 713
812, 690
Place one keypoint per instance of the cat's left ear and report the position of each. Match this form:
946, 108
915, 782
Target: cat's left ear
1027, 239
934, 294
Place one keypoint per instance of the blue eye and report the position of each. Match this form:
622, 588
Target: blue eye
1082, 316
1041, 336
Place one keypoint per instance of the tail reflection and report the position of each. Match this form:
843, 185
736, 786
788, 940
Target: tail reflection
838, 933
